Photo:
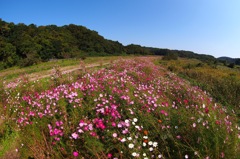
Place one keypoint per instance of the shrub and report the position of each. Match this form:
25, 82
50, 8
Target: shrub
231, 65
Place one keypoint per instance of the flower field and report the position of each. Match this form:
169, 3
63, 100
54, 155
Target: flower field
131, 109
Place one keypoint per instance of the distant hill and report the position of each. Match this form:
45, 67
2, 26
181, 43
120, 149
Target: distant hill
25, 45
229, 60
181, 53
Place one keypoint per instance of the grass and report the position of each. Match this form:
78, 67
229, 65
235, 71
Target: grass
8, 142
130, 109
11, 74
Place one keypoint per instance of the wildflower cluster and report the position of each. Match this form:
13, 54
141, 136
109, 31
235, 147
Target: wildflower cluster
132, 108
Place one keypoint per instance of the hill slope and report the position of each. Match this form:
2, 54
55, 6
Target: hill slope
230, 60
132, 109
31, 44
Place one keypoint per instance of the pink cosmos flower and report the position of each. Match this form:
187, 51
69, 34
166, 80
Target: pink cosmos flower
109, 155
119, 125
40, 115
81, 123
194, 125
163, 112
206, 110
114, 135
75, 135
59, 123
125, 131
90, 127
178, 137
93, 134
75, 153
113, 124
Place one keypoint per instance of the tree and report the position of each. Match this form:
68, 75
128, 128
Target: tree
31, 59
8, 54
231, 65
237, 62
170, 56
137, 49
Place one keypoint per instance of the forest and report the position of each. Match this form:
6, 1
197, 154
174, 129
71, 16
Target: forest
25, 45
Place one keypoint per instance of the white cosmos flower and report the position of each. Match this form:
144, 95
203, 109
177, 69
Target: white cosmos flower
123, 140
203, 107
150, 149
131, 146
137, 127
155, 144
134, 154
144, 144
150, 143
135, 120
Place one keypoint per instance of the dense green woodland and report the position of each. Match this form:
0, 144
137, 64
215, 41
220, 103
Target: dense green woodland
25, 45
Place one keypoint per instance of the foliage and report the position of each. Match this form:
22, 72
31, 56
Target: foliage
137, 49
181, 53
228, 60
170, 56
231, 65
237, 62
132, 109
7, 53
30, 44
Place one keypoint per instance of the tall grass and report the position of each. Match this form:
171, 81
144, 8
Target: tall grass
221, 82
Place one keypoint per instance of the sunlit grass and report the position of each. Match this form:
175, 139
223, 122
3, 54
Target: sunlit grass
45, 67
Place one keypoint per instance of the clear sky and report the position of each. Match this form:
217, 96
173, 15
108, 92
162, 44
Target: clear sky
203, 26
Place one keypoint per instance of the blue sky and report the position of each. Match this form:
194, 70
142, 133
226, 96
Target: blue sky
203, 26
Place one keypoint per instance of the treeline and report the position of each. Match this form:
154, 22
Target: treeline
229, 61
25, 45
181, 53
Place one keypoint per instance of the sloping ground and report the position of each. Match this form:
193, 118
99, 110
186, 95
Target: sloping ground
223, 83
64, 70
45, 68
132, 109
48, 73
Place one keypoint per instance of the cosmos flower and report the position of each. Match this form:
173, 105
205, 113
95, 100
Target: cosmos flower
75, 135
75, 153
131, 145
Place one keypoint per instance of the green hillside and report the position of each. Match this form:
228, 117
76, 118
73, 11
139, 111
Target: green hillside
25, 45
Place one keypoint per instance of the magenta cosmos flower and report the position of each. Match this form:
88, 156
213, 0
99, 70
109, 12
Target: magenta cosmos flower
75, 153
